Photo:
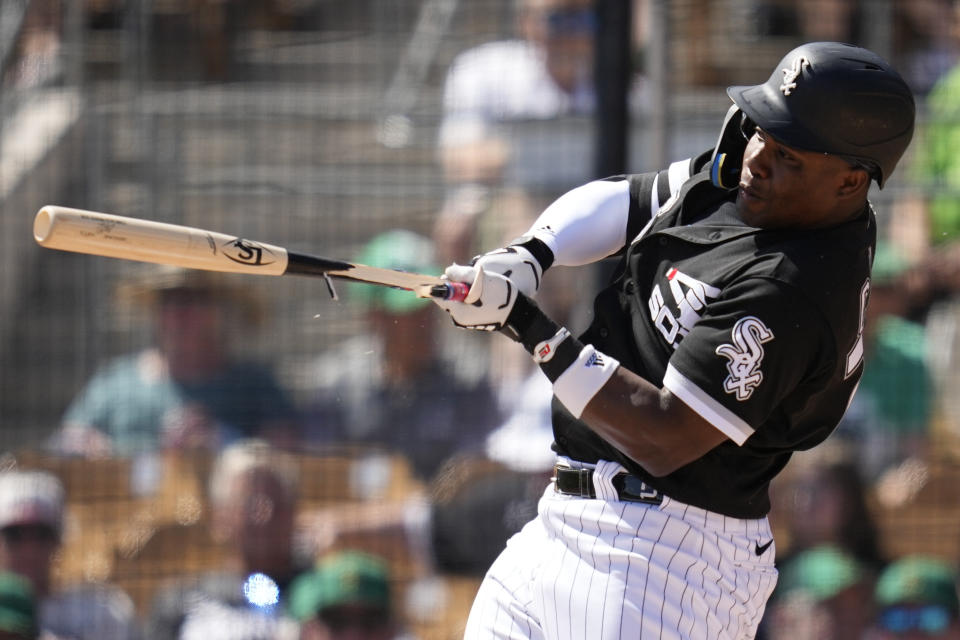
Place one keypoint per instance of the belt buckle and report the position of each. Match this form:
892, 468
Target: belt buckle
584, 485
585, 482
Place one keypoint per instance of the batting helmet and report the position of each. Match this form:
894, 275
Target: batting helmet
835, 98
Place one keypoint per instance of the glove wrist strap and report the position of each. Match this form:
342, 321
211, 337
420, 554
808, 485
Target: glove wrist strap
538, 249
577, 371
552, 346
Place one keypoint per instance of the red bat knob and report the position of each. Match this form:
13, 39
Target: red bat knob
455, 291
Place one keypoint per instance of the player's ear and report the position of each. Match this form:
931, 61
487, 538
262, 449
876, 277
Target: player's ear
853, 181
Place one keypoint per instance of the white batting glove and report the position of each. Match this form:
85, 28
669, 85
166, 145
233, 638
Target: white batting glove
487, 305
516, 263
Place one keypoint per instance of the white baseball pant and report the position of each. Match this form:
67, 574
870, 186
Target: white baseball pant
601, 569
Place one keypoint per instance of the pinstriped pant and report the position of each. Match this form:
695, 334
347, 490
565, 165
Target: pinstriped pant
603, 569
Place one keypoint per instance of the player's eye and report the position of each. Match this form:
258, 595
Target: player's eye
781, 151
788, 157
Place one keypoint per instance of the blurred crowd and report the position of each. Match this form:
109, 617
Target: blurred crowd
187, 493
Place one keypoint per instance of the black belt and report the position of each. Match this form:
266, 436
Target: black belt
579, 482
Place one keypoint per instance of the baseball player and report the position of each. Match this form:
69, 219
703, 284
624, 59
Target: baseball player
731, 336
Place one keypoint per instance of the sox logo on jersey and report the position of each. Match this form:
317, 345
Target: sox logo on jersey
745, 355
690, 296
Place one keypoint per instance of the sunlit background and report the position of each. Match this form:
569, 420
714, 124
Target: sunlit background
320, 125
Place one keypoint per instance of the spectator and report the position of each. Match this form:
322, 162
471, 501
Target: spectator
889, 418
253, 493
822, 594
454, 529
916, 597
927, 229
522, 441
929, 217
186, 390
347, 597
18, 616
824, 502
495, 155
39, 45
925, 37
31, 529
935, 162
31, 524
544, 73
837, 20
392, 386
476, 505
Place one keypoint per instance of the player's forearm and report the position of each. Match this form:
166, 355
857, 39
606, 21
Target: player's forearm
649, 425
646, 423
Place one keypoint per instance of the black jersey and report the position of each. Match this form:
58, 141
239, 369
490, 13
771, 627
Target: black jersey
759, 331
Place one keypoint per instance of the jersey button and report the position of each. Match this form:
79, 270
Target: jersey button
629, 288
663, 241
603, 332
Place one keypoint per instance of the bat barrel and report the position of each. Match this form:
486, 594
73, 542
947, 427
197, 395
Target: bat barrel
42, 225
103, 234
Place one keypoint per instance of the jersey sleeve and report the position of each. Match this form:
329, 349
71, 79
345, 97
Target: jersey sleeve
752, 348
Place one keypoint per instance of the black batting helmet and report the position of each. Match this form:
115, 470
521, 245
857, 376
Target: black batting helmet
838, 99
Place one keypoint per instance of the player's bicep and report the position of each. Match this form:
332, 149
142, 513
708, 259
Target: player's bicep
755, 345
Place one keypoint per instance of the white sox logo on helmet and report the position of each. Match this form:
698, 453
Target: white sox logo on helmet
790, 75
745, 356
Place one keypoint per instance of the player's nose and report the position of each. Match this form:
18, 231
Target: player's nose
757, 157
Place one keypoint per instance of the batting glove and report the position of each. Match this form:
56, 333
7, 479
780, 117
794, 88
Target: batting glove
489, 302
517, 263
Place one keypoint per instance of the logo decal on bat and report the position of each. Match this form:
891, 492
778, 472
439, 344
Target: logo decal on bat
248, 252
105, 227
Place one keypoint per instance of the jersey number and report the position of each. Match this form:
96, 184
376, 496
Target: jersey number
855, 357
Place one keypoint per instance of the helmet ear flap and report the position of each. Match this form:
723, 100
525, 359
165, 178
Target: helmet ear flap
725, 172
728, 153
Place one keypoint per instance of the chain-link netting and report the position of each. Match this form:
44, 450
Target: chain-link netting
214, 435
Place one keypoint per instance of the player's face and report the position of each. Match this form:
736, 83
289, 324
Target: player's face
28, 551
785, 187
564, 30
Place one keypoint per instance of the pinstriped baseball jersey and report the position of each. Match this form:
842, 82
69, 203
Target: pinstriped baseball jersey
758, 330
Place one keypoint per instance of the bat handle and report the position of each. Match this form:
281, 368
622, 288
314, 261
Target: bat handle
455, 291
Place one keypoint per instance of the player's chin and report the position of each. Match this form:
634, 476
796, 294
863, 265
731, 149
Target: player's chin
751, 207
755, 209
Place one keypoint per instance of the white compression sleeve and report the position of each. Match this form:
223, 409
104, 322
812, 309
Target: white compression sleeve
585, 224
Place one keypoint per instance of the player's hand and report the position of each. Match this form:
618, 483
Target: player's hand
489, 302
516, 263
